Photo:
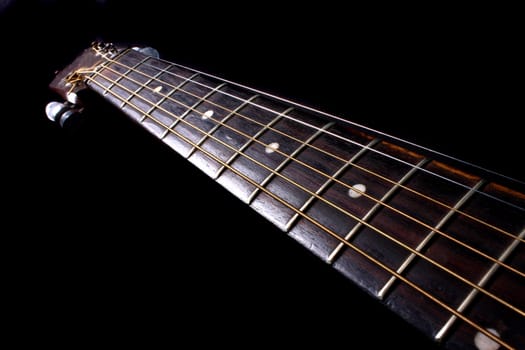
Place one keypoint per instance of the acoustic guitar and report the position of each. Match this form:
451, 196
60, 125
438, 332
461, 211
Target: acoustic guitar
436, 240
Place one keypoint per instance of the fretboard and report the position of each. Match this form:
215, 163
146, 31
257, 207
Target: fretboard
441, 246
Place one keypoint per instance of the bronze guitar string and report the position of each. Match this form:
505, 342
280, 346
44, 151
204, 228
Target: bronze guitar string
429, 227
232, 169
332, 155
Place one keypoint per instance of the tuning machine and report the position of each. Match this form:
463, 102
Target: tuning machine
148, 51
64, 113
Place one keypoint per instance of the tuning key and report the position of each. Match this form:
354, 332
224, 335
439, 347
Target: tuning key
61, 112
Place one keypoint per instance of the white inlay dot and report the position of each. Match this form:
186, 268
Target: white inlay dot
208, 114
483, 342
354, 191
272, 147
157, 89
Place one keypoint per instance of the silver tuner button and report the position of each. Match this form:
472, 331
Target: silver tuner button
54, 109
60, 113
148, 51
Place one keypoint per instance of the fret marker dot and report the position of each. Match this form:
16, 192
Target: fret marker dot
208, 114
272, 147
353, 192
157, 89
483, 342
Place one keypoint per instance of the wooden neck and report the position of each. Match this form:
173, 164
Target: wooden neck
440, 245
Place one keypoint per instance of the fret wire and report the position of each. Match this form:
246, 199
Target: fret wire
457, 241
343, 120
251, 139
327, 230
167, 96
500, 230
482, 282
287, 159
190, 109
381, 294
351, 141
217, 125
373, 210
415, 167
379, 231
142, 86
130, 69
331, 179
364, 169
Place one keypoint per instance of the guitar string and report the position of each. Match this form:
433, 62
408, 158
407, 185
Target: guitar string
354, 217
429, 227
348, 140
343, 120
457, 210
375, 261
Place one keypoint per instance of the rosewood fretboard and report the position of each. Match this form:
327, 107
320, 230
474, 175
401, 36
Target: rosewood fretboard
440, 245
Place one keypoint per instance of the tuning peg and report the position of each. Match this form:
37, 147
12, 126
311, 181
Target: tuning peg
61, 112
148, 51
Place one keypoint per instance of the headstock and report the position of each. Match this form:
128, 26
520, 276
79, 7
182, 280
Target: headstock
71, 80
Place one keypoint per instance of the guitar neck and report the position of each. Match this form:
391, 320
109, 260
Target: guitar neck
438, 242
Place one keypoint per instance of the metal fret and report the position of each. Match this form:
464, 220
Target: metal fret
191, 108
98, 74
142, 86
249, 142
217, 125
381, 294
159, 102
123, 75
374, 209
482, 282
288, 159
330, 180
296, 182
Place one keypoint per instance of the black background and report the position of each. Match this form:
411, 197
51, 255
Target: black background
115, 235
